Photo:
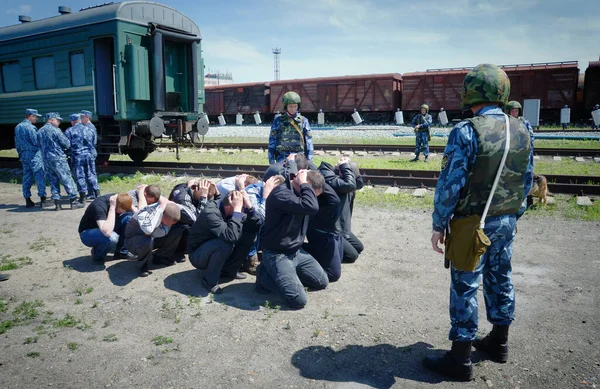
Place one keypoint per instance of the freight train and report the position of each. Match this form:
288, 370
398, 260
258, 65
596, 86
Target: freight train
378, 96
134, 64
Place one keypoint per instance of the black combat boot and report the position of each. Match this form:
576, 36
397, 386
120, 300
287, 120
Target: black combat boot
82, 197
415, 159
427, 156
29, 203
57, 205
97, 192
495, 344
75, 204
43, 201
455, 364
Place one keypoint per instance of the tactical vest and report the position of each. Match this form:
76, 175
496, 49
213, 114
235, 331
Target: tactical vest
423, 121
288, 138
491, 140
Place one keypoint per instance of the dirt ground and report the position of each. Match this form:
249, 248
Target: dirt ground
370, 329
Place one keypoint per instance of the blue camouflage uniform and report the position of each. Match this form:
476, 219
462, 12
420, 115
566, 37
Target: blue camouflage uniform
285, 138
422, 133
495, 265
93, 141
27, 143
53, 143
83, 157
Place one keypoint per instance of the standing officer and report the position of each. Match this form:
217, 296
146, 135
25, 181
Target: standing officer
421, 124
54, 143
462, 190
28, 147
514, 109
91, 137
83, 157
290, 132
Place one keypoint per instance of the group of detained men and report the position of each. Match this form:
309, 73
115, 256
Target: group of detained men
292, 230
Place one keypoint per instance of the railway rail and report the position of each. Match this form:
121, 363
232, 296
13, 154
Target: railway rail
564, 184
548, 151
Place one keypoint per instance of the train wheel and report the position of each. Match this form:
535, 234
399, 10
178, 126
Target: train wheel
138, 155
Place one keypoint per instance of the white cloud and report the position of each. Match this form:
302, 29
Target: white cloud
20, 10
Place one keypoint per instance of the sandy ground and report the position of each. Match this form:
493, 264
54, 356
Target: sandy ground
370, 329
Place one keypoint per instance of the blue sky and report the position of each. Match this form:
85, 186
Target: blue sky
340, 37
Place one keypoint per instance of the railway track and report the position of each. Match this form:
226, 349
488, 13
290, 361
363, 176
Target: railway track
564, 184
548, 151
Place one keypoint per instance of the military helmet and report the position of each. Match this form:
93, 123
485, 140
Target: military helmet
425, 106
291, 97
513, 105
485, 83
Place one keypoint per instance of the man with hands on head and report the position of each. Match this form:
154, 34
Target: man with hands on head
221, 238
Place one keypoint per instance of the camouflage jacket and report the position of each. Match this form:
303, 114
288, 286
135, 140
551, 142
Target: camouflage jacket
26, 138
285, 139
54, 142
458, 164
76, 137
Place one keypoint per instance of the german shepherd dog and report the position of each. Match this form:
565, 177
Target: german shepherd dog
540, 189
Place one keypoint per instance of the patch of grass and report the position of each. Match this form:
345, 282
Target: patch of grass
27, 311
41, 244
160, 340
110, 338
78, 301
6, 325
30, 340
81, 290
72, 346
271, 310
95, 304
7, 263
317, 333
115, 183
33, 354
67, 321
3, 305
194, 302
565, 208
68, 267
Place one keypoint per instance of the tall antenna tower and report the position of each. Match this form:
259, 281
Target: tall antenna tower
276, 52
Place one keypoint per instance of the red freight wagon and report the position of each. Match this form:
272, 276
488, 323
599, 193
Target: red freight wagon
591, 88
375, 96
233, 98
555, 84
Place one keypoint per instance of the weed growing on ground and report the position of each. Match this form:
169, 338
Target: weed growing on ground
30, 340
72, 346
271, 310
3, 305
110, 338
33, 354
68, 267
78, 301
160, 340
41, 244
317, 333
67, 321
81, 290
27, 311
7, 263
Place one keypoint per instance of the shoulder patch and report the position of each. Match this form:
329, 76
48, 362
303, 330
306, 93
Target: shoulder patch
272, 132
445, 160
309, 134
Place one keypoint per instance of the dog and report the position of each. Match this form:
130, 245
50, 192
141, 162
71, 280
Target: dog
539, 189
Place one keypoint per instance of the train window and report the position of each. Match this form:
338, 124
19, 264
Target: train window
11, 77
44, 72
76, 60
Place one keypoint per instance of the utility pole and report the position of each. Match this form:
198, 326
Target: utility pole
276, 53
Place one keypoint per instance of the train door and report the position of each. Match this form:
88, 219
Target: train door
327, 98
104, 55
175, 76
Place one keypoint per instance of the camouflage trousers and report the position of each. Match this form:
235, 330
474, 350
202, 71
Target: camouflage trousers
84, 171
57, 171
33, 169
496, 271
422, 143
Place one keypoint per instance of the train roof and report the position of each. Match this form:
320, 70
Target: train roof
396, 76
509, 68
138, 12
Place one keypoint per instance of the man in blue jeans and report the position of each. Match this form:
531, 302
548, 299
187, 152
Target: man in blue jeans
286, 268
102, 226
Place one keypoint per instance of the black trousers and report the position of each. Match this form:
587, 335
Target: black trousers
143, 245
352, 247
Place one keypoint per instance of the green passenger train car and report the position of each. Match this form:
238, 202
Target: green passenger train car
136, 65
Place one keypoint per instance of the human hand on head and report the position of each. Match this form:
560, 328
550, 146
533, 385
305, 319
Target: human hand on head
237, 201
240, 181
301, 176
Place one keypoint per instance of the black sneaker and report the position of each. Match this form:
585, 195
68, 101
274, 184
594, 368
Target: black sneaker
29, 203
76, 204
158, 260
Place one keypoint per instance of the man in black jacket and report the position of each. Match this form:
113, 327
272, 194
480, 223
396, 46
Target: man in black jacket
221, 238
323, 234
285, 268
192, 198
345, 180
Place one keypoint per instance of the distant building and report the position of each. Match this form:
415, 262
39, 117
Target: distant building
217, 78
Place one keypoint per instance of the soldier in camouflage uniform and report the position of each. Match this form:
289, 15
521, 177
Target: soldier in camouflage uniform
83, 154
462, 190
54, 143
290, 132
28, 146
92, 136
422, 123
514, 109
